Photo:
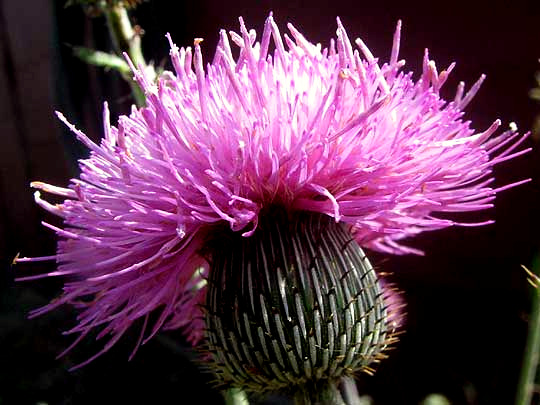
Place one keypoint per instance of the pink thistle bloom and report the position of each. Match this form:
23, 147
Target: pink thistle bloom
330, 131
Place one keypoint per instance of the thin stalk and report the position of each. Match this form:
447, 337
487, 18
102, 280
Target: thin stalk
532, 350
324, 395
350, 392
235, 396
126, 39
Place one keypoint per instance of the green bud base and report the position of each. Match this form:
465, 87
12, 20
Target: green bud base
293, 308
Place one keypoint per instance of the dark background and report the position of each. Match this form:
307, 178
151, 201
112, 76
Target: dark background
467, 298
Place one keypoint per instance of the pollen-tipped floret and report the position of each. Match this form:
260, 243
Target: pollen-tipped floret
287, 123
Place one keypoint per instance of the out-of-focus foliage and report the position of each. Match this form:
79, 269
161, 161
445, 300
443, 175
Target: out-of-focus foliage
535, 95
95, 8
102, 59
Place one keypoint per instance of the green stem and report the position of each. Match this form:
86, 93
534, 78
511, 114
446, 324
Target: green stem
321, 395
350, 392
123, 36
125, 39
235, 396
532, 354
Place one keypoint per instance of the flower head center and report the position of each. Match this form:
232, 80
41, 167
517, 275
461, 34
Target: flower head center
295, 304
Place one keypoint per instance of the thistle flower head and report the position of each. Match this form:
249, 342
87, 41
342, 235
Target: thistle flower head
329, 134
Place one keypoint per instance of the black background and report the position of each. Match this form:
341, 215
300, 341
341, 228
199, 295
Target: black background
467, 298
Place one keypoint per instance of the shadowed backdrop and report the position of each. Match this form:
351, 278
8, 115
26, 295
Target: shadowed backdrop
467, 298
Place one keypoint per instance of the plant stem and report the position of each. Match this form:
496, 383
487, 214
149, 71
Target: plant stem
532, 354
126, 39
235, 396
323, 395
350, 391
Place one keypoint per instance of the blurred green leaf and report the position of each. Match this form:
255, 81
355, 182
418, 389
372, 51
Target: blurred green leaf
537, 77
102, 59
535, 93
